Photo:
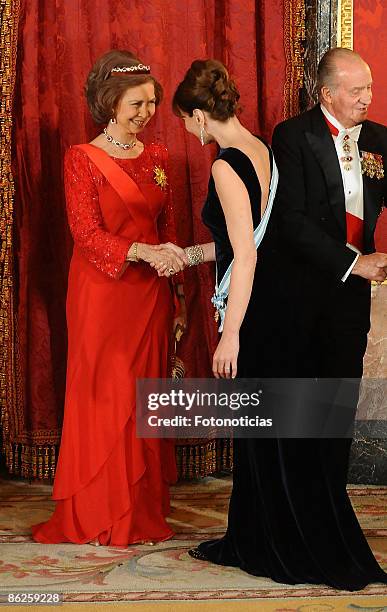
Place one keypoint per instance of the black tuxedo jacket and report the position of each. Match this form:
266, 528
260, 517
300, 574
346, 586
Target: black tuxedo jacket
310, 322
309, 211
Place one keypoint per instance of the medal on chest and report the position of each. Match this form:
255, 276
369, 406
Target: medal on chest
347, 158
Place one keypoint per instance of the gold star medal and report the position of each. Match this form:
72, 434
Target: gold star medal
160, 177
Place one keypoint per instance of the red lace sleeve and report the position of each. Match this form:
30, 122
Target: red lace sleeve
166, 221
103, 249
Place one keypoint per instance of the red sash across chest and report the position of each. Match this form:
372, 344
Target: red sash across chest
128, 191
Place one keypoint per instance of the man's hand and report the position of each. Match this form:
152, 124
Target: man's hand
373, 267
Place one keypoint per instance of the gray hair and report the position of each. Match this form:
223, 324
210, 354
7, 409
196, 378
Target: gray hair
327, 68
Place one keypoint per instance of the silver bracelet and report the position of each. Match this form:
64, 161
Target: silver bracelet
195, 255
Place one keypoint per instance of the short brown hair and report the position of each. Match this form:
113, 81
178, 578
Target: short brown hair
208, 87
104, 90
327, 68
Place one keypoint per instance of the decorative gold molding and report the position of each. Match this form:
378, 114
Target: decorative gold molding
294, 36
9, 21
345, 24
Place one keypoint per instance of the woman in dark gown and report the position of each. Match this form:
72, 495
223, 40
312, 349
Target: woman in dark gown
290, 517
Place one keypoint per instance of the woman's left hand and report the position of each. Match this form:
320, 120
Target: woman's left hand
224, 363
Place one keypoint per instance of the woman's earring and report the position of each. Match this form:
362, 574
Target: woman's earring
113, 120
202, 135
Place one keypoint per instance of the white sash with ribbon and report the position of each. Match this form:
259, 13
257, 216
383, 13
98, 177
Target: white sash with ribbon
222, 289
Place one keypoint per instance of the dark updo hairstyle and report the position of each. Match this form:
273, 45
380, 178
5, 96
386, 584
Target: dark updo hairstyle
208, 87
104, 89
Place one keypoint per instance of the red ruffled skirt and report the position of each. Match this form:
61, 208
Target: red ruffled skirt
110, 484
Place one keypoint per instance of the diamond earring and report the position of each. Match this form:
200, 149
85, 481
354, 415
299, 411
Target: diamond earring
113, 120
202, 136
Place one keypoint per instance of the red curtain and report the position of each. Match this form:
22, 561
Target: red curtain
58, 43
370, 40
370, 37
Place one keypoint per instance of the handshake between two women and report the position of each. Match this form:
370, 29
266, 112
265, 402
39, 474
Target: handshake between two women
167, 259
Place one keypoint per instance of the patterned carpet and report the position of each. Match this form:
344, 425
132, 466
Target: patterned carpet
163, 572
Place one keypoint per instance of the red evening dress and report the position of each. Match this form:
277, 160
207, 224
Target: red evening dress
111, 485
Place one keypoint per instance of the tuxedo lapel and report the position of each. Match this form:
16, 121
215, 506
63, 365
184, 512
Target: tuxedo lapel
321, 142
371, 189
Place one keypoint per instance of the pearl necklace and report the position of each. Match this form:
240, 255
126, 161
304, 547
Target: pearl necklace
121, 145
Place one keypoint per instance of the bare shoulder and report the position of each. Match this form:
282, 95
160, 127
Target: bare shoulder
228, 182
220, 165
222, 170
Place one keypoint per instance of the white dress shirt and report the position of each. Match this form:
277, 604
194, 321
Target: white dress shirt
353, 178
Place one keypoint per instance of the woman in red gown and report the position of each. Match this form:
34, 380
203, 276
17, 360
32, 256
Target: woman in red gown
111, 487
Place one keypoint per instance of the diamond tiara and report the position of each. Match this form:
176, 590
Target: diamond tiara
124, 69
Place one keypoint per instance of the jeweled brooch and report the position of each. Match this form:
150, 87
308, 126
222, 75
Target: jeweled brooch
372, 164
160, 177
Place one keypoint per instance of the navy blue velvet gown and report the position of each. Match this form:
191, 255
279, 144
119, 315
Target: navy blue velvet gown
290, 517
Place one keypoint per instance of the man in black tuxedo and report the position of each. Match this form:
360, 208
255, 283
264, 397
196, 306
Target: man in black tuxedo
313, 271
319, 253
